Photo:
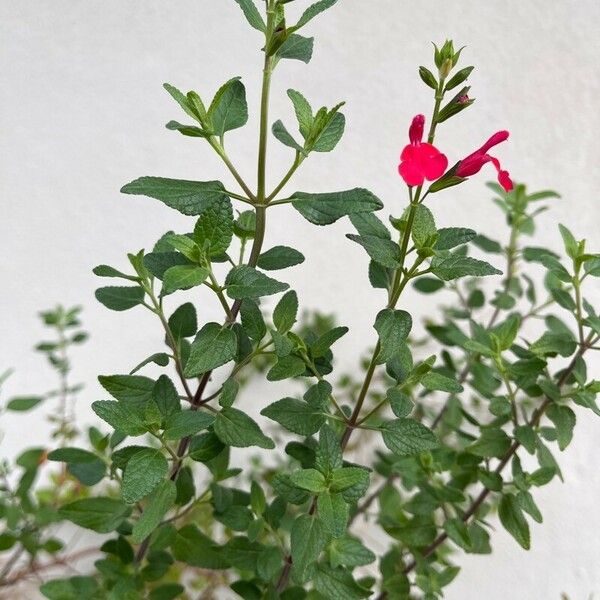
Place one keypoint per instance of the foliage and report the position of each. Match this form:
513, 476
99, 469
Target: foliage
450, 419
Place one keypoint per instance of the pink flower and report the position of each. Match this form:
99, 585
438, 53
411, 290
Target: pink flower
472, 164
420, 161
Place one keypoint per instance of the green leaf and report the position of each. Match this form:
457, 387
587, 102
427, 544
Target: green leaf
182, 277
192, 547
108, 271
458, 532
423, 229
188, 130
307, 540
143, 472
235, 428
564, 420
393, 327
167, 591
428, 78
324, 342
252, 320
487, 245
188, 197
285, 137
158, 262
252, 15
493, 443
309, 479
428, 285
296, 47
120, 298
346, 477
72, 455
100, 514
329, 131
166, 397
349, 551
333, 511
324, 209
295, 415
406, 437
338, 584
183, 322
120, 416
303, 112
73, 588
450, 237
158, 358
400, 403
184, 102
512, 519
279, 257
134, 389
284, 315
214, 229
245, 282
286, 367
312, 11
382, 251
229, 109
161, 500
23, 403
437, 381
452, 267
569, 241
212, 347
329, 454
186, 423
229, 391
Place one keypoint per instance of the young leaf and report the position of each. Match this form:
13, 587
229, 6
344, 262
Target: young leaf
235, 428
166, 397
182, 277
303, 112
309, 479
450, 237
312, 11
349, 551
23, 403
186, 423
229, 109
381, 250
214, 229
120, 298
252, 320
252, 15
564, 420
212, 347
188, 197
285, 137
333, 511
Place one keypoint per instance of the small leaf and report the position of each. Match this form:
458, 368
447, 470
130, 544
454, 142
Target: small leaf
284, 314
564, 420
493, 443
513, 520
182, 277
393, 327
143, 472
309, 479
312, 11
295, 415
186, 423
229, 109
296, 47
285, 137
279, 257
450, 237
252, 15
333, 511
23, 403
161, 500
183, 322
382, 251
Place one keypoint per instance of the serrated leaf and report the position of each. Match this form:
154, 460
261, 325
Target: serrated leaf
349, 551
307, 540
296, 47
212, 347
229, 109
245, 282
333, 511
564, 421
188, 197
99, 514
493, 443
450, 237
381, 250
161, 500
452, 267
437, 381
423, 230
183, 322
303, 112
120, 416
186, 423
338, 584
214, 229
182, 277
235, 428
252, 15
295, 415
286, 367
393, 327
309, 479
143, 472
324, 209
406, 437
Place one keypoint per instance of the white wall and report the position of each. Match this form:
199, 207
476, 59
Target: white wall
83, 112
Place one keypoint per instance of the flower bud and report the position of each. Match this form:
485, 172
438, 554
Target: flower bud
446, 68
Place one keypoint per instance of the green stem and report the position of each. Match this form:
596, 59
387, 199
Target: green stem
297, 162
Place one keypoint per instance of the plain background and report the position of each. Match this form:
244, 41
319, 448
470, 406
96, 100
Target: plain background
83, 112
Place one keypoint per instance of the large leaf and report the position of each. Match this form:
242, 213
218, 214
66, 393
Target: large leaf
324, 209
188, 197
214, 346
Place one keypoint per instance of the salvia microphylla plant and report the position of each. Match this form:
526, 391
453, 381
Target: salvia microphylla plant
462, 425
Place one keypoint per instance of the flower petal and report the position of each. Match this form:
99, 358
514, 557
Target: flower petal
411, 172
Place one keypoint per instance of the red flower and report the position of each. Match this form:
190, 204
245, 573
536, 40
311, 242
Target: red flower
472, 164
420, 161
